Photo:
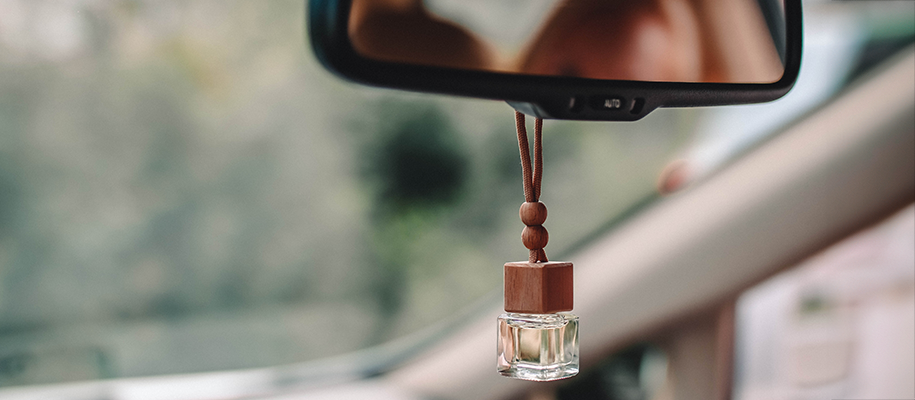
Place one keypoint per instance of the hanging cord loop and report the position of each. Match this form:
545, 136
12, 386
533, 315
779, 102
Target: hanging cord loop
533, 213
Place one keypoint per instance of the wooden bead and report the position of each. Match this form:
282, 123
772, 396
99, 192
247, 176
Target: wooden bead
535, 237
533, 213
538, 288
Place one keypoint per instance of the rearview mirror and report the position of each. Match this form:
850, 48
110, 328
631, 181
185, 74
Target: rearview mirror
567, 59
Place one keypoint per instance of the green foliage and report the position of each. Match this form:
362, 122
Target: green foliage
416, 160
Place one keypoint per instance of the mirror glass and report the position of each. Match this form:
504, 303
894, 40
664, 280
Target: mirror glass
731, 41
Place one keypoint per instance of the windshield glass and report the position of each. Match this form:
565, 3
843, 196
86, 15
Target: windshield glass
184, 189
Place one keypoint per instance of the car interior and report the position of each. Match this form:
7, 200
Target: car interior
312, 200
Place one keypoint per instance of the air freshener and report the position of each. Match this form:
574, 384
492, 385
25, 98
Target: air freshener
538, 336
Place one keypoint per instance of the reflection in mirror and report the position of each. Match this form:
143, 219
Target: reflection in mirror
733, 41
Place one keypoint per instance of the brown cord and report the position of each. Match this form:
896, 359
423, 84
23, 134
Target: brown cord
525, 157
538, 157
532, 173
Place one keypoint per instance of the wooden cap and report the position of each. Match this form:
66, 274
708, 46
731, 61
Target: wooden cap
538, 288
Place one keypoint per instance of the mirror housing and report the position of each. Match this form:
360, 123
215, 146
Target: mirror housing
550, 97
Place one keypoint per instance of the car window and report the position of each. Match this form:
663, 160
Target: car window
184, 189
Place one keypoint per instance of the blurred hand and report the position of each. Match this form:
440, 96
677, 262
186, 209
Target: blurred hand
653, 40
404, 31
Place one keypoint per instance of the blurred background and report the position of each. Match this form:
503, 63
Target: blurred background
184, 189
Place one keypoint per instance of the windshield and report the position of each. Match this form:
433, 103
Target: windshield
184, 189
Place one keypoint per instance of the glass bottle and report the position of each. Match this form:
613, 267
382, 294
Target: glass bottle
538, 347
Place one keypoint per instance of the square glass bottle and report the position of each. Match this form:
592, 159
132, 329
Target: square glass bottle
538, 337
538, 347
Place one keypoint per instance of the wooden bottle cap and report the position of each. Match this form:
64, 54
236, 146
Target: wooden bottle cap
538, 288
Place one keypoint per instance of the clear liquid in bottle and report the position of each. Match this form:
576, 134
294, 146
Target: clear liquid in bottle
538, 347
